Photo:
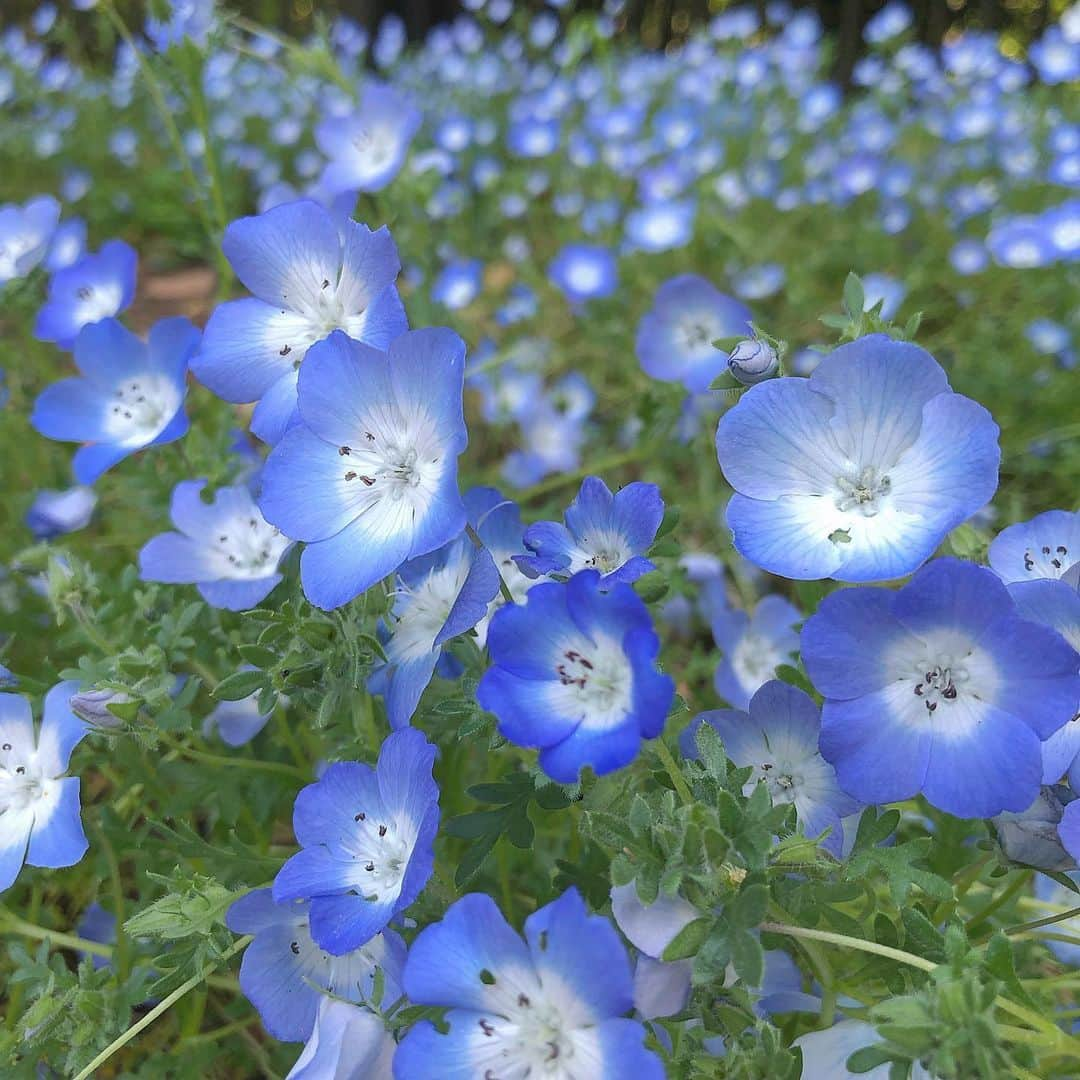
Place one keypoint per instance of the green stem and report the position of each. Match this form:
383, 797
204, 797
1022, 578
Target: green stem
233, 763
15, 925
1049, 920
163, 1006
123, 964
997, 902
673, 770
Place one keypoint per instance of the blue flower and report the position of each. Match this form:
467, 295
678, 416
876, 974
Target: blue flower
98, 925
574, 674
54, 513
369, 479
940, 688
225, 547
130, 394
754, 646
188, 19
25, 233
778, 739
39, 806
95, 288
284, 972
348, 1042
367, 842
1047, 546
309, 278
884, 290
858, 472
675, 338
1023, 243
367, 148
604, 532
458, 284
1033, 836
584, 272
68, 245
514, 1005
439, 596
660, 226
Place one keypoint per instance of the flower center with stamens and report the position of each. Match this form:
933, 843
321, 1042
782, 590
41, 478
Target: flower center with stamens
140, 408
381, 854
251, 547
939, 681
863, 492
598, 680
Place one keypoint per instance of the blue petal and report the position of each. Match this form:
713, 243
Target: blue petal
15, 828
247, 346
325, 812
172, 344
405, 684
336, 570
57, 838
480, 588
277, 410
605, 750
340, 924
479, 940
406, 785
1035, 543
238, 595
580, 960
313, 871
787, 536
91, 461
61, 730
72, 410
623, 1053
526, 639
175, 559
285, 254
952, 592
106, 352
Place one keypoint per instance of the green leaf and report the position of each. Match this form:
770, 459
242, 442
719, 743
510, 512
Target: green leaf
652, 587
998, 960
258, 655
854, 296
183, 914
689, 939
748, 957
921, 936
747, 910
869, 1057
671, 519
239, 685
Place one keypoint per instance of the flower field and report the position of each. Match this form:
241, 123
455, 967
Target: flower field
525, 555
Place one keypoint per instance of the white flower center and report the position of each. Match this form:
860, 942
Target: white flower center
21, 782
754, 659
380, 850
140, 408
250, 547
533, 1039
604, 551
597, 681
96, 304
939, 681
695, 334
1050, 560
864, 491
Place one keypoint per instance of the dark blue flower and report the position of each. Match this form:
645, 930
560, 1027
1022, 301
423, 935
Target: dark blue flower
574, 674
940, 688
604, 532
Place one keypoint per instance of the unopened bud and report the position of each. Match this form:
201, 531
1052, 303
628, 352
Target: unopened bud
753, 361
93, 706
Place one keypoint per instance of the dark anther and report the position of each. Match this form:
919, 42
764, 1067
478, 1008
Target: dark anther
949, 693
486, 977
360, 816
543, 940
295, 946
554, 1050
931, 706
918, 690
326, 283
1046, 551
284, 350
369, 867
21, 769
524, 1001
382, 830
367, 480
350, 475
585, 664
83, 293
486, 1028
369, 436
1062, 550
344, 451
7, 746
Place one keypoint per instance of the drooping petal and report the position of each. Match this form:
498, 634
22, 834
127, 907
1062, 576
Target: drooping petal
61, 729
175, 559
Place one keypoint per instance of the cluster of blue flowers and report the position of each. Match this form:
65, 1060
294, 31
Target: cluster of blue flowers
932, 676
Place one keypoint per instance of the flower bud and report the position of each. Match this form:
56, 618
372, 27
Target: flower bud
93, 706
753, 361
1031, 837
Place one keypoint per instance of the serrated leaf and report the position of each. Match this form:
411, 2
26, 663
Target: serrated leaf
747, 909
921, 936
